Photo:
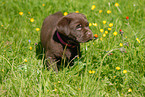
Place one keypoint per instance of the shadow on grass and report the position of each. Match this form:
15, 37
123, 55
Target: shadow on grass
39, 51
40, 55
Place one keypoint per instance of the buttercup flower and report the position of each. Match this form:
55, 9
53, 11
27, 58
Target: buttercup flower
2, 25
109, 29
111, 24
117, 68
104, 22
93, 71
90, 24
104, 35
30, 48
32, 19
124, 71
100, 11
129, 90
120, 44
43, 4
20, 13
116, 4
106, 32
101, 30
115, 33
108, 11
55, 89
37, 29
77, 11
28, 12
25, 60
65, 13
101, 38
96, 36
93, 7
94, 24
90, 71
138, 40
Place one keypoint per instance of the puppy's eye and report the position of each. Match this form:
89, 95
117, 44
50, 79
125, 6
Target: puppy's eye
79, 27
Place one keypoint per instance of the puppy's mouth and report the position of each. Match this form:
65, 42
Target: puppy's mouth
89, 40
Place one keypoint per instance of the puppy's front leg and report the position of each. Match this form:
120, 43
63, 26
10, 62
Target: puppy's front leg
51, 63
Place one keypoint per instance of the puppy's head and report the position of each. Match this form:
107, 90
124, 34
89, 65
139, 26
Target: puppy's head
76, 27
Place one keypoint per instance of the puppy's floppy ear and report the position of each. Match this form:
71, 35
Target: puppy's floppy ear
63, 25
83, 16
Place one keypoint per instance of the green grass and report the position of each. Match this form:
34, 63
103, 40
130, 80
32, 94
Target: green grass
19, 78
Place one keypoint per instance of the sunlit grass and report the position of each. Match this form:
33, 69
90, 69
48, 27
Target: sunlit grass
112, 65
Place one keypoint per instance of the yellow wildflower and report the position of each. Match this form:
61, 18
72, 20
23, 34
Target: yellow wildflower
129, 90
114, 76
101, 30
2, 25
93, 71
111, 24
117, 68
20, 13
65, 13
77, 11
94, 24
116, 4
43, 4
32, 19
37, 29
101, 38
90, 71
138, 40
104, 22
30, 48
109, 29
120, 44
2, 70
124, 71
100, 11
106, 32
55, 89
115, 33
104, 35
25, 60
28, 12
108, 11
90, 24
93, 7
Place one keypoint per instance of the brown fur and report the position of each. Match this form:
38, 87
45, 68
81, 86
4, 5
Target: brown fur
69, 30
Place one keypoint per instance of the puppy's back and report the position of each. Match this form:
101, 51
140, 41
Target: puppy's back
48, 27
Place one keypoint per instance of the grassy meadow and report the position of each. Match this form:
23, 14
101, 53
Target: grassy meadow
111, 66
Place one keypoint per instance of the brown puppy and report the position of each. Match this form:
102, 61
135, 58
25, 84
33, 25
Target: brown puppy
61, 35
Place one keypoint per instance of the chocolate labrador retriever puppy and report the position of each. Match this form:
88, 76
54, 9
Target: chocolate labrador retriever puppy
61, 36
